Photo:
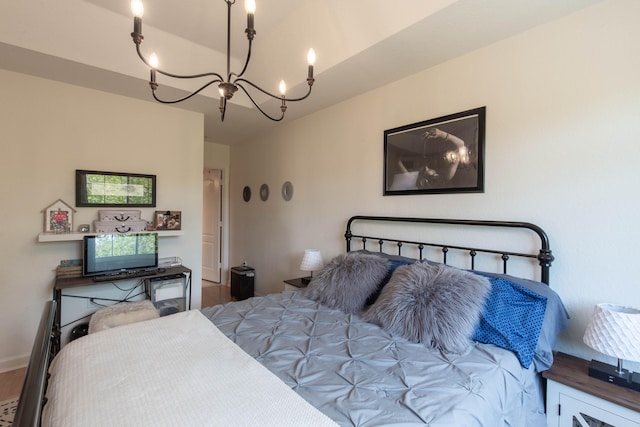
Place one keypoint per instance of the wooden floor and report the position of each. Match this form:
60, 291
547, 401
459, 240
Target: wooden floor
213, 294
11, 382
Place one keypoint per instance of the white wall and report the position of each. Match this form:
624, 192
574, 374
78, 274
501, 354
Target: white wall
562, 150
47, 131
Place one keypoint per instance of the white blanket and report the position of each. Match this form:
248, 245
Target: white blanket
178, 370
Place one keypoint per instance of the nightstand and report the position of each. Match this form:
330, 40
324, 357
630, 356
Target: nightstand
576, 399
294, 284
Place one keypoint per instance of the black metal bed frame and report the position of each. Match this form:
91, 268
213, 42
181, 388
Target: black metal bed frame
544, 256
32, 397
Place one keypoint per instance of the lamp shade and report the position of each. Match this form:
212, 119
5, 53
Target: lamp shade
615, 331
311, 261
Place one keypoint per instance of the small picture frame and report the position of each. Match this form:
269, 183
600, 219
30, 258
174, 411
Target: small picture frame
58, 217
168, 220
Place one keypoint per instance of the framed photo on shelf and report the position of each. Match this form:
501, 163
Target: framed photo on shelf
168, 220
436, 156
58, 217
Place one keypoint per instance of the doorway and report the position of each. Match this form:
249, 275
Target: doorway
212, 226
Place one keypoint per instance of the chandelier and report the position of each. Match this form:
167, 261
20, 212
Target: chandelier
231, 82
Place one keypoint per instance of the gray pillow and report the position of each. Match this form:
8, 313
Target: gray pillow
436, 305
347, 281
395, 261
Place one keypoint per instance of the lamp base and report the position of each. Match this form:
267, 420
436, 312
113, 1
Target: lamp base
306, 280
605, 372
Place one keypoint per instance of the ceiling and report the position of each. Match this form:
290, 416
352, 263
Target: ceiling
360, 45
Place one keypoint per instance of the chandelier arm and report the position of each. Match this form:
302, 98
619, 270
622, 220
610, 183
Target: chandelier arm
188, 96
301, 98
271, 94
176, 76
246, 63
264, 113
219, 78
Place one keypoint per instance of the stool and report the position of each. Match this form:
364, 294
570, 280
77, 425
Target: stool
122, 313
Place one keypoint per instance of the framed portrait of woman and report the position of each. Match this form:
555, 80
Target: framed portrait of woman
436, 156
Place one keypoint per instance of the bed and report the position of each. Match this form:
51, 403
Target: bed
387, 333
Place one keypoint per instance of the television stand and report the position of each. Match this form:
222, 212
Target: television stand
87, 282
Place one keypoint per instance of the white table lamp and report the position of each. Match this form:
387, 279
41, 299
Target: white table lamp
311, 261
615, 331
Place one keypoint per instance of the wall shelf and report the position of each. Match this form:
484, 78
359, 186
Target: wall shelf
67, 237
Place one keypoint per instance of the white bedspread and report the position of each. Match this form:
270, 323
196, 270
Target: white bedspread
178, 370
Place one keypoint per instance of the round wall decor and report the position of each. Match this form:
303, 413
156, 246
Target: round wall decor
287, 191
264, 192
246, 193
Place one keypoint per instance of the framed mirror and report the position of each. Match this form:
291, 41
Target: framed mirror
114, 189
287, 191
264, 192
246, 193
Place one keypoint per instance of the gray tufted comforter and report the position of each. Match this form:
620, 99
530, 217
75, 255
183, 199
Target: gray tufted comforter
360, 375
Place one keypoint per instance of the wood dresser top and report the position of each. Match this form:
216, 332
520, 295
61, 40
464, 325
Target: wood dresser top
574, 372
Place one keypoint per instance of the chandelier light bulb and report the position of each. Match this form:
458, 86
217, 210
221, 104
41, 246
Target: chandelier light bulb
283, 87
137, 8
222, 100
250, 6
311, 57
153, 60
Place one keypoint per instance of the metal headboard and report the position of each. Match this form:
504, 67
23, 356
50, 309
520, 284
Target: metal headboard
544, 256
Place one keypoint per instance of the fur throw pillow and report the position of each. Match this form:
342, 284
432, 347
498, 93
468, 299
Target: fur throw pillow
122, 314
436, 305
347, 281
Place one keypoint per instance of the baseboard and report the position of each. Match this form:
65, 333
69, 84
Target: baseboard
13, 363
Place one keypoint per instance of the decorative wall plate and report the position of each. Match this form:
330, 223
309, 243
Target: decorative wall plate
287, 191
264, 192
246, 193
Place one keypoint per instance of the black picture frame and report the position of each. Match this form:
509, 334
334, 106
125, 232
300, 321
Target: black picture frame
114, 189
436, 156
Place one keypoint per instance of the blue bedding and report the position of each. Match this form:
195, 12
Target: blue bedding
360, 375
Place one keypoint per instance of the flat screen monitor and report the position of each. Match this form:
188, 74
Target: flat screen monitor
113, 253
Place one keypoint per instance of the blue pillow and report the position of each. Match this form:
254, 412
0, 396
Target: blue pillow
512, 319
556, 318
